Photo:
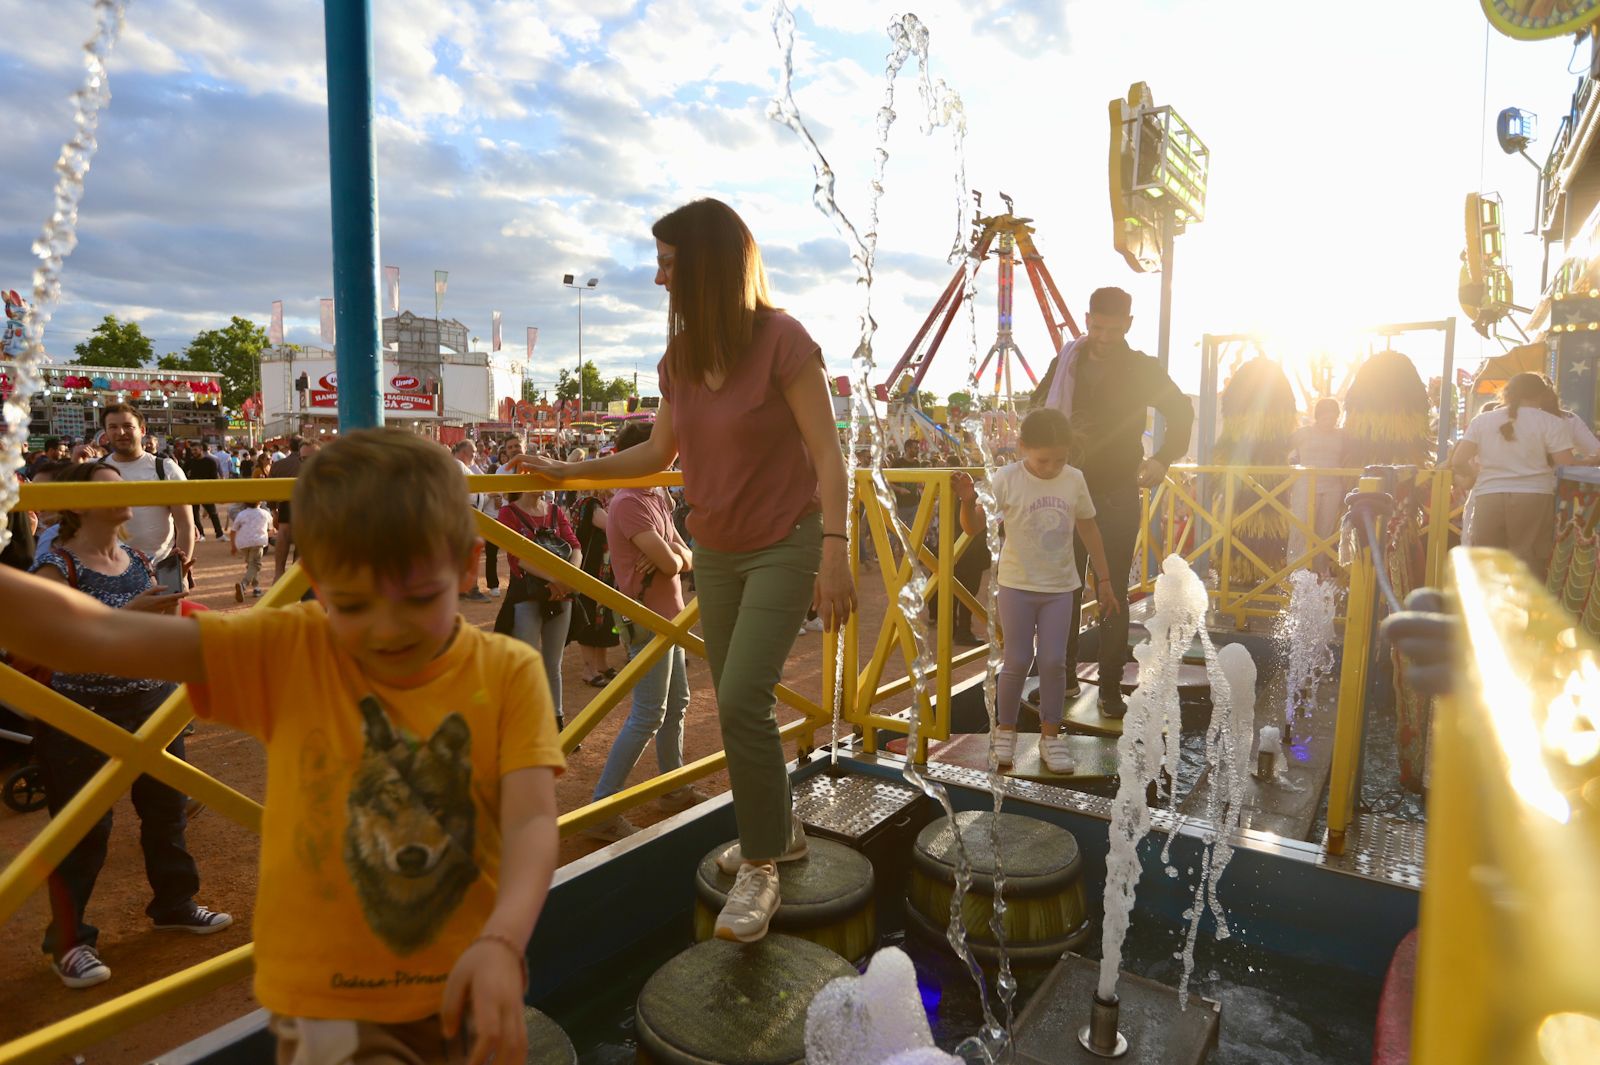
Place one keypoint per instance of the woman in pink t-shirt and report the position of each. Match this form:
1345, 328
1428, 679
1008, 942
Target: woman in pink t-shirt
745, 402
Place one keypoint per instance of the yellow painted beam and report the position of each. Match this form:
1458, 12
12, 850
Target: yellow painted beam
1352, 688
38, 859
100, 1022
1510, 929
83, 724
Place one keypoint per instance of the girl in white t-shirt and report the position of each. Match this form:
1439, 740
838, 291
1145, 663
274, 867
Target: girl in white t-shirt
1517, 448
1042, 501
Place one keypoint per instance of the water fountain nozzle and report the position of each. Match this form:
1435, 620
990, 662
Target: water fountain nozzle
1265, 767
1100, 1036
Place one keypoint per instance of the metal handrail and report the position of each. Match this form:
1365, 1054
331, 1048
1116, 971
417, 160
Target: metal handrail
1508, 940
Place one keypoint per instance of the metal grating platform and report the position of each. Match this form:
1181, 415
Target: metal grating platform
1376, 847
1384, 848
853, 806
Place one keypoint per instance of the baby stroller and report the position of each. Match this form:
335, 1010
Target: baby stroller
23, 790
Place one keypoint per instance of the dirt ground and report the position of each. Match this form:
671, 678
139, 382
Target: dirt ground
30, 994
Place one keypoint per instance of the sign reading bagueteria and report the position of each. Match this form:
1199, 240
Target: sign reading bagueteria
409, 395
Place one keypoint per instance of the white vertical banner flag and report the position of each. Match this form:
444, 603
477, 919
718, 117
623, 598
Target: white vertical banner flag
533, 338
391, 282
275, 330
327, 323
441, 281
494, 343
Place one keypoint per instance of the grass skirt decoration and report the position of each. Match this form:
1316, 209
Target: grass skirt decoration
1386, 420
1258, 418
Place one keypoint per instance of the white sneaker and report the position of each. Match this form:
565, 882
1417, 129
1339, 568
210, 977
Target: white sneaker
731, 860
81, 967
1056, 755
803, 629
1005, 745
495, 592
814, 625
751, 904
611, 830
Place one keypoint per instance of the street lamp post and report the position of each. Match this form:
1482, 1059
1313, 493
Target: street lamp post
568, 282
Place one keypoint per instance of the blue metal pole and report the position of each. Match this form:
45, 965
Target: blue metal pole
353, 185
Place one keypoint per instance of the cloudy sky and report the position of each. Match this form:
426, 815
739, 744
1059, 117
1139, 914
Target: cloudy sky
523, 139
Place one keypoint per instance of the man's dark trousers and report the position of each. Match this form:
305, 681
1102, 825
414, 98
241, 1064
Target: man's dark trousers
67, 765
1117, 513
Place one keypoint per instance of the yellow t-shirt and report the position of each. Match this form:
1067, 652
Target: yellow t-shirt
380, 845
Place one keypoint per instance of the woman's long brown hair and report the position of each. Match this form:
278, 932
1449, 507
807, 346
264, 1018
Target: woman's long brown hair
719, 288
72, 520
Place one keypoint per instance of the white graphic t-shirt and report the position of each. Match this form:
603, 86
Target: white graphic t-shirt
1039, 516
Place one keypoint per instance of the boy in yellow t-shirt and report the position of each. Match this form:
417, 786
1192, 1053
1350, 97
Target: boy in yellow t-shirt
410, 832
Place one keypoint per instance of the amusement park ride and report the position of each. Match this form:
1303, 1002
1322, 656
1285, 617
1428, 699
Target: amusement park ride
1158, 176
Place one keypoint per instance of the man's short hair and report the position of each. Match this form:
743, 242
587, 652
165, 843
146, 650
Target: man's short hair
121, 408
461, 445
1110, 301
382, 498
1326, 403
295, 443
51, 442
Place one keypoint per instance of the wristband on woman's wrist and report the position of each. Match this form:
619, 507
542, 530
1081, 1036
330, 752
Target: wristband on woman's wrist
835, 536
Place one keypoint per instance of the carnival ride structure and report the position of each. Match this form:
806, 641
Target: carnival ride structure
1005, 236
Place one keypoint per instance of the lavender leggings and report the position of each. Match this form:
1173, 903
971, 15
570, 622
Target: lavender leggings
1029, 620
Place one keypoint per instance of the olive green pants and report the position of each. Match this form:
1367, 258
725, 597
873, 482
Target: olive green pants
752, 604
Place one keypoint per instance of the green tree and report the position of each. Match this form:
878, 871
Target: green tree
234, 351
960, 400
114, 343
596, 392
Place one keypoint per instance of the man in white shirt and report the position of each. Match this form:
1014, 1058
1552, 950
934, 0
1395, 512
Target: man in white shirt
157, 531
466, 452
223, 461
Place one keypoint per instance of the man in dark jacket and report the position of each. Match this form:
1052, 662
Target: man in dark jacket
1106, 388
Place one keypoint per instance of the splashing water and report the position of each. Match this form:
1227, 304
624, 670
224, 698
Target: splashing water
942, 108
56, 241
1149, 744
876, 1018
1307, 632
1149, 749
1232, 673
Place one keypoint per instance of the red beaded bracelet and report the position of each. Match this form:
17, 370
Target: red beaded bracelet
522, 955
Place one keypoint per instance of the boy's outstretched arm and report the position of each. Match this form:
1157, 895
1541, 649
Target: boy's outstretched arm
488, 978
49, 623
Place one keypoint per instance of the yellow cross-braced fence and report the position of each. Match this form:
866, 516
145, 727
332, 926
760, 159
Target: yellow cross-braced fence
1189, 514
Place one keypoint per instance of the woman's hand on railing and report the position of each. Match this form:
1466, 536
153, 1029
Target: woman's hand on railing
964, 489
553, 471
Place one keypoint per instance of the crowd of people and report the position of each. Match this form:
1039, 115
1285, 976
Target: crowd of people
434, 743
411, 757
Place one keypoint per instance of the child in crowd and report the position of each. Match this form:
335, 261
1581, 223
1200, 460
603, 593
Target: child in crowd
647, 555
249, 530
410, 828
1043, 502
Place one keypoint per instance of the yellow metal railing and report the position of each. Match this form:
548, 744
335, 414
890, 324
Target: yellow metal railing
144, 752
1244, 493
1355, 658
1510, 930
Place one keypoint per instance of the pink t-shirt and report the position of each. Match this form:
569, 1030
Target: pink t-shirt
633, 511
514, 517
746, 471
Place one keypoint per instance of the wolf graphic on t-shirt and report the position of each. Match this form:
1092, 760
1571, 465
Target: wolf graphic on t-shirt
408, 846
